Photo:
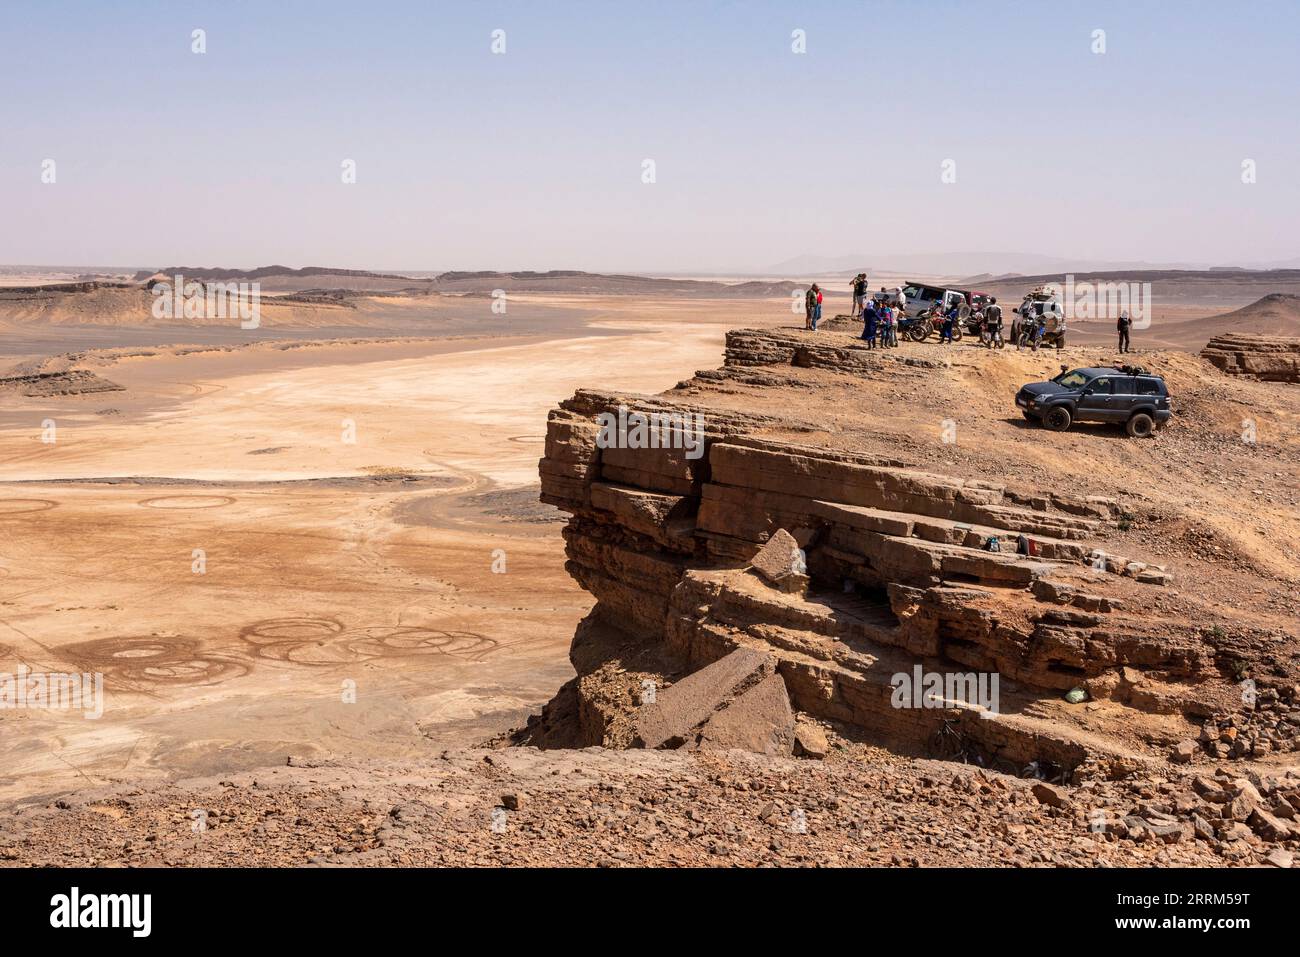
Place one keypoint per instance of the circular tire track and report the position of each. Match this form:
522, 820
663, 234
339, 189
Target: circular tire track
187, 501
302, 641
20, 506
321, 642
153, 660
415, 640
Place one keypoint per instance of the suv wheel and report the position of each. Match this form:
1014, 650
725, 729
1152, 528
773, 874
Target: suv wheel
1058, 418
1141, 425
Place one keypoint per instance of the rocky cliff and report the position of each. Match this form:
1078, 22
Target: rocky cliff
1101, 666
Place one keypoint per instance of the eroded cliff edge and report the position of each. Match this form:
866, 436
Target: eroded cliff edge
1116, 655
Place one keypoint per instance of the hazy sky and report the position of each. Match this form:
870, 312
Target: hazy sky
533, 158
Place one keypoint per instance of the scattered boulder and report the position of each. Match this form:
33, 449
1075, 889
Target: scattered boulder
810, 741
1050, 794
1279, 857
1267, 826
1201, 827
1184, 752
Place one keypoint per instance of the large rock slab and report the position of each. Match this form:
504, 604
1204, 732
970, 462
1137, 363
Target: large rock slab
760, 720
679, 710
667, 519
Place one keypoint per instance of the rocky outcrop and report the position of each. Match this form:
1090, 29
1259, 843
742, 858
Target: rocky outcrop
913, 572
1270, 358
71, 382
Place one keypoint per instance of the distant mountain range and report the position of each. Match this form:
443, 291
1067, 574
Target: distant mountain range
204, 273
984, 264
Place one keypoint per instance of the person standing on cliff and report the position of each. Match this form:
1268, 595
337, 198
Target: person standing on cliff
809, 307
859, 294
1123, 325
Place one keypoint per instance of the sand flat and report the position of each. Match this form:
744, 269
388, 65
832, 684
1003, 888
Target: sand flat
324, 561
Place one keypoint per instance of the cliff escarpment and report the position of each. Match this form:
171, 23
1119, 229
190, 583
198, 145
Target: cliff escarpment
937, 540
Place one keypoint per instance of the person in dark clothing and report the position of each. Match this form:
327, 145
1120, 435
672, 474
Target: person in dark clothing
949, 322
809, 306
859, 294
993, 322
1123, 325
870, 324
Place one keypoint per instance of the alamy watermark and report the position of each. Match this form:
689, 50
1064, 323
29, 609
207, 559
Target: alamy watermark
934, 689
653, 430
130, 911
215, 300
1107, 300
49, 691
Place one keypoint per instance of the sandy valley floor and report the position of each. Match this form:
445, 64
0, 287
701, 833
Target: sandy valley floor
242, 537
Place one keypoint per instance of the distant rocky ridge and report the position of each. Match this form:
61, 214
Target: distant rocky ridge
574, 281
262, 272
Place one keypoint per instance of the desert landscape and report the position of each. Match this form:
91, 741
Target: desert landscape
360, 579
313, 543
514, 453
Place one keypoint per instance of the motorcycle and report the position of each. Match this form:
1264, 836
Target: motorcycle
1029, 334
917, 328
934, 324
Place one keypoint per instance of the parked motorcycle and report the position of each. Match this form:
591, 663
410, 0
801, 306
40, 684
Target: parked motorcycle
931, 322
916, 328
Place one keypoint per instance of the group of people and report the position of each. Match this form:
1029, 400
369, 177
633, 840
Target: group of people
880, 320
881, 313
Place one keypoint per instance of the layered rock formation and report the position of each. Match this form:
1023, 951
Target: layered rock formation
914, 573
1270, 358
71, 382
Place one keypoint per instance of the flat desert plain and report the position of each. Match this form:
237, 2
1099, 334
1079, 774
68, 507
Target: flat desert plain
332, 549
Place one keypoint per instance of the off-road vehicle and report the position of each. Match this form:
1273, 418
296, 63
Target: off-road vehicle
1129, 395
1039, 307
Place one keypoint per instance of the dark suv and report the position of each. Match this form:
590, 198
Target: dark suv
1128, 394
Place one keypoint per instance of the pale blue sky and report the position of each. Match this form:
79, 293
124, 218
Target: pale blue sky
532, 159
